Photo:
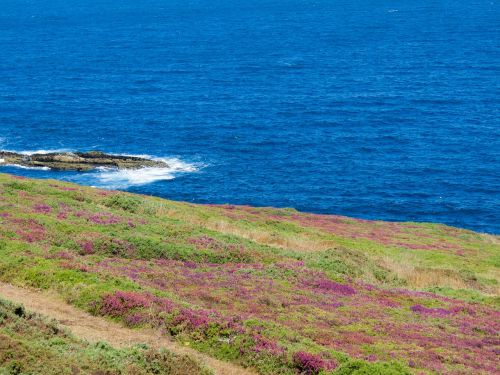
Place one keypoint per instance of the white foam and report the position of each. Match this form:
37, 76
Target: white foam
31, 153
123, 178
143, 156
112, 178
42, 152
25, 167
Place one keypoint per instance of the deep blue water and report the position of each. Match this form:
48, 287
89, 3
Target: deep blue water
373, 109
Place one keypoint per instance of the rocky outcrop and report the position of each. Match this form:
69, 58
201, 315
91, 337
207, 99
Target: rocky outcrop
78, 161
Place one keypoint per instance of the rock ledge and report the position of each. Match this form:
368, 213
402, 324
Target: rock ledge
78, 161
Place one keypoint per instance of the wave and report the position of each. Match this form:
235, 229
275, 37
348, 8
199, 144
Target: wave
24, 167
32, 152
28, 152
124, 178
112, 178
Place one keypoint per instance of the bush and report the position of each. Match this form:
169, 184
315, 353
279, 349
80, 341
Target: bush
16, 185
311, 364
359, 367
30, 344
124, 202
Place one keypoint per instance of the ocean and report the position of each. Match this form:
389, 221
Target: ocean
373, 109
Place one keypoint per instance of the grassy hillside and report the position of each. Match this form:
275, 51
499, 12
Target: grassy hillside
273, 289
31, 344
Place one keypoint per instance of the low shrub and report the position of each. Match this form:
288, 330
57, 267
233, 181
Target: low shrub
311, 364
124, 202
31, 344
360, 367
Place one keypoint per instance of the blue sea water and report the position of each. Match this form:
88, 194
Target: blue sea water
374, 109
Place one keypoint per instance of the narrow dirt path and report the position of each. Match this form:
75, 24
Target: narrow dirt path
93, 329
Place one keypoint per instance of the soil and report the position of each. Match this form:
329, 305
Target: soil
94, 329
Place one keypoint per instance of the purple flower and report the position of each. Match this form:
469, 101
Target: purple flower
87, 247
426, 310
264, 344
118, 303
103, 219
190, 264
334, 287
312, 364
134, 319
42, 208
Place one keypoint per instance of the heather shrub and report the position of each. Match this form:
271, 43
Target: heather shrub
343, 261
360, 367
87, 248
206, 330
151, 248
19, 185
311, 364
214, 250
42, 208
333, 287
340, 261
433, 311
31, 344
324, 288
128, 247
110, 246
269, 364
124, 202
232, 253
164, 362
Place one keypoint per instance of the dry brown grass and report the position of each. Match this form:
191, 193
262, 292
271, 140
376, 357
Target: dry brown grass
424, 277
495, 240
297, 242
95, 329
416, 277
263, 237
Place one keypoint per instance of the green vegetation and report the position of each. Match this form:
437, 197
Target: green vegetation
31, 344
271, 289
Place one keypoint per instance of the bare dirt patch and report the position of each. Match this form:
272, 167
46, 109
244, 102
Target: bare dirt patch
94, 329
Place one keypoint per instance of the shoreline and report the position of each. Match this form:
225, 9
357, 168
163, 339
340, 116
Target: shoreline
231, 206
310, 212
78, 161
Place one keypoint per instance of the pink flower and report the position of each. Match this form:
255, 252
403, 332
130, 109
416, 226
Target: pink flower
334, 287
312, 364
87, 247
135, 319
42, 208
264, 344
425, 310
103, 219
118, 303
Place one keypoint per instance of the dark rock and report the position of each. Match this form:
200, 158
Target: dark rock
78, 161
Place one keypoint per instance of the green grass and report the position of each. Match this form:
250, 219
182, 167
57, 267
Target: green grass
285, 277
32, 344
